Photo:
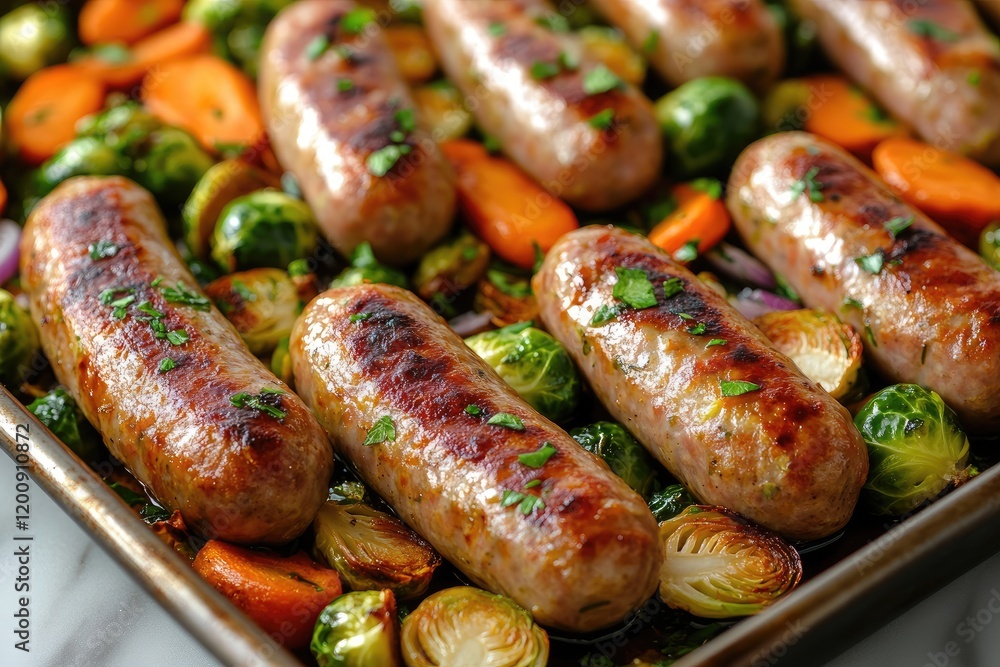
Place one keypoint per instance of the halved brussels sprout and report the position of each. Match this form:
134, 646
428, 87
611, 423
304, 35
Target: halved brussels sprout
85, 156
786, 106
717, 564
916, 448
828, 351
261, 303
441, 108
170, 166
670, 501
507, 295
237, 25
264, 228
464, 626
989, 245
535, 364
33, 37
59, 412
125, 127
451, 267
609, 46
221, 184
366, 269
18, 340
627, 458
371, 549
358, 629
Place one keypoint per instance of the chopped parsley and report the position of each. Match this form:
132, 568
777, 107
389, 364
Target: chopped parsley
473, 410
568, 61
931, 30
267, 401
497, 29
737, 387
177, 337
715, 341
381, 161
359, 317
167, 364
553, 22
688, 252
533, 483
602, 120
600, 80
527, 503
697, 329
710, 186
672, 287
542, 70
651, 42
895, 225
182, 295
344, 85
317, 47
974, 77
120, 305
853, 303
538, 458
406, 119
355, 21
808, 182
102, 250
872, 263
243, 292
633, 288
506, 420
604, 314
147, 308
383, 431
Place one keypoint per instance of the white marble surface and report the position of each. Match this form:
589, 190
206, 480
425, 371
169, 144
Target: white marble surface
86, 612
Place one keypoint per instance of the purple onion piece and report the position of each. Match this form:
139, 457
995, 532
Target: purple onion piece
756, 302
471, 323
740, 265
10, 249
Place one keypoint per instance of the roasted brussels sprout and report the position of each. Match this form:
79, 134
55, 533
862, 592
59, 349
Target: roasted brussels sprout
238, 26
59, 412
507, 296
261, 229
358, 629
670, 501
716, 564
626, 457
535, 364
916, 448
371, 549
82, 156
825, 349
124, 128
281, 362
441, 108
18, 340
466, 626
989, 245
366, 269
171, 165
706, 123
261, 303
451, 267
609, 46
33, 37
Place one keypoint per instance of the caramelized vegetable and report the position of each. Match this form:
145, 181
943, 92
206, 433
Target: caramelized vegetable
261, 303
507, 296
414, 53
358, 629
609, 46
125, 21
441, 108
700, 219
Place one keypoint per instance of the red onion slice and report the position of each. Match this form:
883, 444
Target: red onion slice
10, 249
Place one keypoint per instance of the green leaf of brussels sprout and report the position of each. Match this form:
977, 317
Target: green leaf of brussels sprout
18, 339
624, 455
732, 388
34, 36
383, 431
365, 268
60, 414
633, 288
670, 501
266, 228
989, 245
357, 629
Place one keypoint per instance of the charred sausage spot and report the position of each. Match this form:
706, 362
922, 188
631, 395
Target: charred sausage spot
742, 354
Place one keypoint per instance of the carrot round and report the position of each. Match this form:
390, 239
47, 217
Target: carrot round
842, 113
3, 198
959, 194
209, 98
44, 112
284, 596
177, 41
700, 217
125, 21
503, 206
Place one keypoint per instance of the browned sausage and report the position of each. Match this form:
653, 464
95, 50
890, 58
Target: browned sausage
929, 307
583, 559
235, 473
335, 106
784, 453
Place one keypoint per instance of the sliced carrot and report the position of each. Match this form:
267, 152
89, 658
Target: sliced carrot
842, 113
3, 198
125, 21
284, 596
959, 194
503, 206
209, 98
44, 112
700, 217
177, 41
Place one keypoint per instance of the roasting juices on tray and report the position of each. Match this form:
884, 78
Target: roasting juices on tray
592, 367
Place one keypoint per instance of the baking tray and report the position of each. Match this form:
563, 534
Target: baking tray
832, 610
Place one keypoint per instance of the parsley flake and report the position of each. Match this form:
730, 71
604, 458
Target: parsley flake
715, 341
530, 504
538, 458
473, 410
178, 337
262, 402
872, 263
732, 388
931, 30
895, 225
102, 250
672, 287
355, 21
533, 483
509, 498
344, 85
602, 120
688, 252
604, 314
542, 70
697, 329
359, 317
317, 47
710, 186
651, 42
497, 29
506, 420
633, 288
808, 182
383, 431
381, 161
600, 80
182, 295
167, 364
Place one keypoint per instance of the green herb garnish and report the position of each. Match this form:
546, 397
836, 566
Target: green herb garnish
317, 47
497, 29
167, 364
715, 341
809, 183
895, 225
506, 420
732, 388
872, 263
262, 402
931, 30
542, 70
182, 295
381, 161
538, 458
383, 431
602, 120
604, 314
473, 410
688, 252
355, 21
102, 250
600, 80
651, 42
697, 329
633, 288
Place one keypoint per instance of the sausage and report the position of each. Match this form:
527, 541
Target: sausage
583, 561
331, 101
932, 63
785, 455
235, 473
527, 87
688, 39
929, 307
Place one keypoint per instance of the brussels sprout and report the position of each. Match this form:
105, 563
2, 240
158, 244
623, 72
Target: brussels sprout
18, 340
358, 629
609, 46
238, 26
785, 107
801, 39
33, 37
706, 123
825, 349
171, 165
281, 362
452, 267
441, 108
535, 364
221, 184
371, 549
60, 414
125, 128
670, 501
507, 295
466, 626
264, 228
626, 457
989, 245
261, 303
366, 269
916, 448
717, 564
83, 156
